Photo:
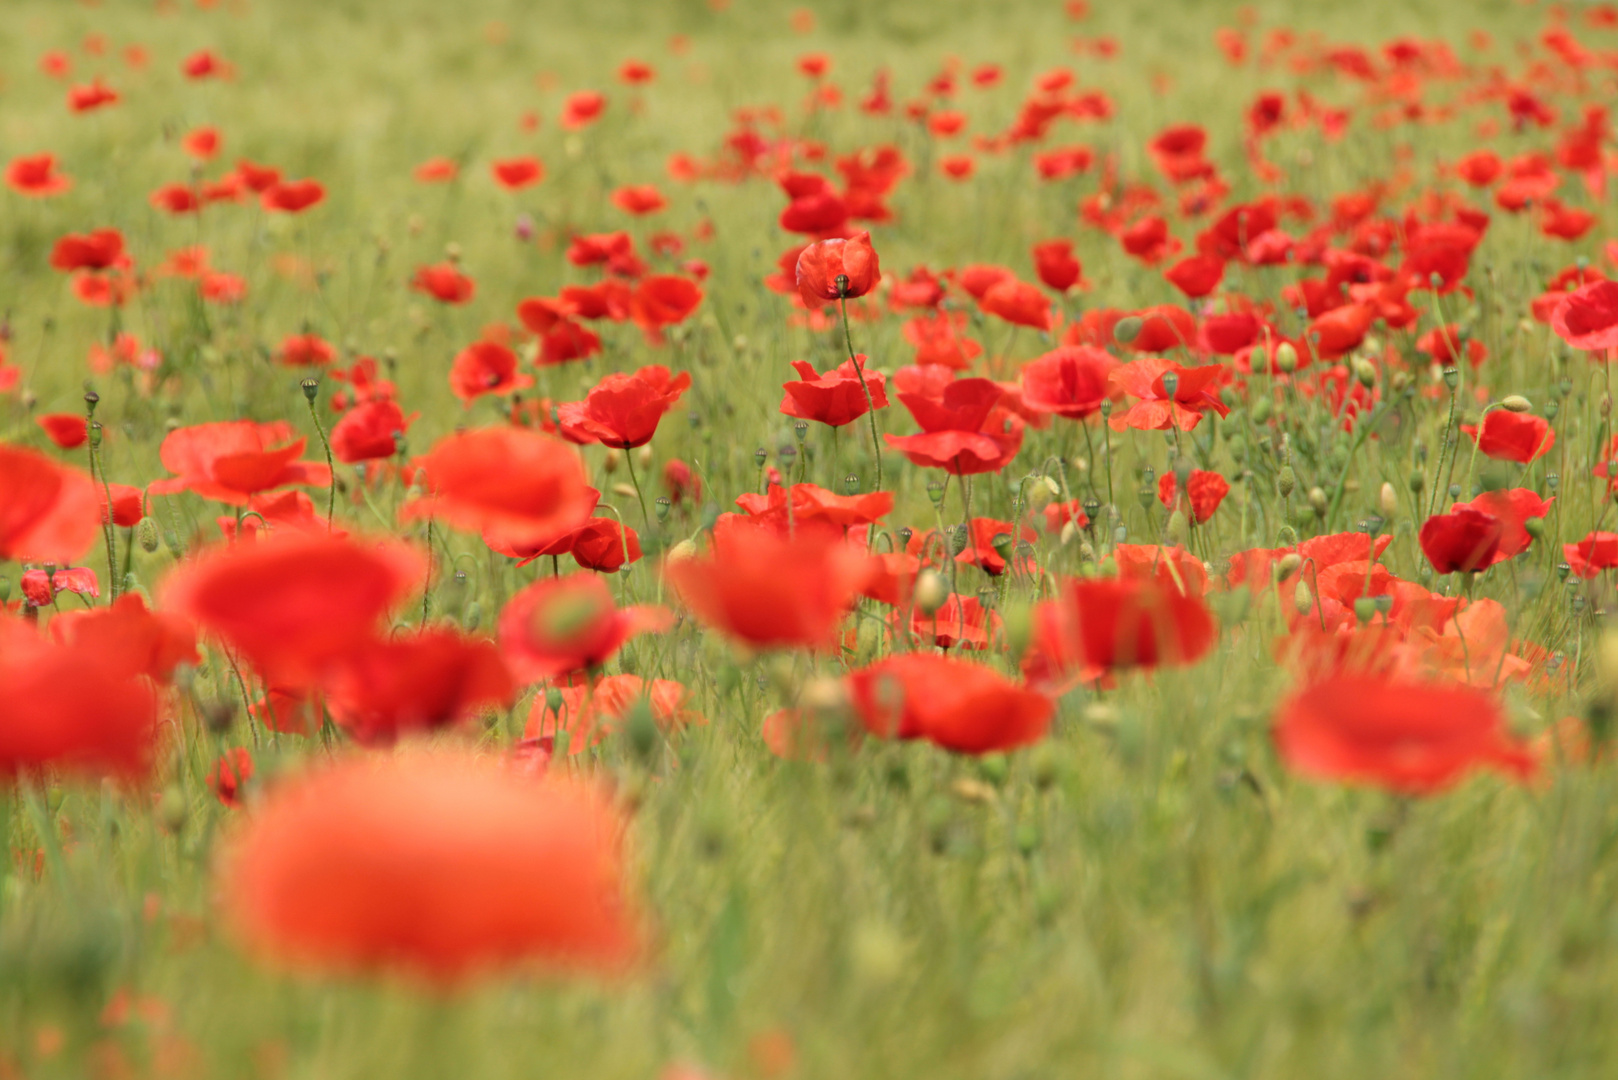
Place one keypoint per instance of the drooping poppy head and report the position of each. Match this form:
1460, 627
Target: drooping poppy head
955, 704
437, 865
520, 485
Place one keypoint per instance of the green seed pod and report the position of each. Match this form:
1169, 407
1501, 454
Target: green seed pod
148, 534
1127, 329
1286, 357
1286, 482
1516, 403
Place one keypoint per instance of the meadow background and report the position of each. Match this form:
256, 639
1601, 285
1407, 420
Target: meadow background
1146, 894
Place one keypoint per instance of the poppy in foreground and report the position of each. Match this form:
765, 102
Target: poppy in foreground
1413, 738
440, 865
47, 511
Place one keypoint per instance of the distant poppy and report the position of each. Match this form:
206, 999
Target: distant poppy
40, 586
582, 108
1205, 490
1196, 276
67, 430
558, 626
835, 398
444, 283
433, 678
1103, 625
1018, 303
36, 176
230, 774
305, 350
93, 96
1462, 541
48, 512
204, 64
202, 143
821, 264
292, 196
1157, 408
639, 199
257, 178
623, 410
1510, 436
230, 460
661, 300
98, 250
486, 367
515, 174
369, 431
1056, 266
442, 865
1413, 738
1587, 318
521, 485
961, 622
436, 170
960, 706
591, 711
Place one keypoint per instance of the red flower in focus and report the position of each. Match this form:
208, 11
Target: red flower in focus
623, 410
559, 626
954, 704
1071, 381
1587, 318
36, 176
962, 432
1514, 508
1596, 552
296, 602
230, 775
99, 250
486, 367
1018, 303
1110, 624
442, 865
69, 431
1205, 491
231, 460
48, 512
417, 682
444, 283
1509, 436
772, 591
292, 196
1413, 738
518, 173
1056, 267
821, 264
835, 398
1161, 407
1462, 541
369, 431
71, 707
516, 485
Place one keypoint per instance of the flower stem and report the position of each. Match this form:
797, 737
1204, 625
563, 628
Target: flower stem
870, 405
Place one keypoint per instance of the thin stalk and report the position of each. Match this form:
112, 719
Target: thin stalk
870, 405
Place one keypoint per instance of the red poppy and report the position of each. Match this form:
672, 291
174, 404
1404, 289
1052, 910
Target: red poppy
230, 775
1514, 508
486, 367
1413, 738
1510, 436
204, 64
957, 705
639, 199
67, 430
1205, 491
681, 482
1587, 318
71, 707
257, 178
1596, 552
559, 626
222, 288
769, 590
99, 250
663, 300
436, 170
130, 637
1462, 541
128, 505
1018, 303
1149, 240
962, 431
292, 196
441, 865
90, 97
415, 682
296, 602
1071, 381
1157, 409
835, 398
1196, 275
1110, 624
519, 485
202, 144
623, 410
444, 283
48, 512
1059, 515
582, 108
603, 544
821, 264
40, 586
369, 431
591, 711
230, 460
1055, 265
960, 622
518, 173
305, 350
36, 176
811, 503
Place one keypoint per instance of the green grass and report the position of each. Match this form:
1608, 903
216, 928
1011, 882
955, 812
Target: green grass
1147, 894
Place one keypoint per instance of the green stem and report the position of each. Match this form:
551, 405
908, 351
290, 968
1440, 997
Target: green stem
870, 405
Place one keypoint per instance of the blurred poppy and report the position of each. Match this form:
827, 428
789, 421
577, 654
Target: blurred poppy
639, 199
436, 170
1018, 303
130, 637
1462, 541
1596, 552
520, 485
305, 350
48, 512
1587, 318
623, 410
444, 283
128, 505
69, 431
36, 176
433, 678
486, 367
230, 775
559, 626
369, 431
1196, 276
97, 250
517, 173
1205, 490
292, 196
1055, 265
663, 300
835, 398
582, 108
1110, 624
1510, 436
590, 711
40, 586
955, 704
230, 460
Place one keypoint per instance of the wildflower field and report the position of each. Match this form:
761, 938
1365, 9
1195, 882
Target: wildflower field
743, 540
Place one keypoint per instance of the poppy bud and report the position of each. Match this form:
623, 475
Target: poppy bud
1127, 329
931, 591
1417, 481
663, 505
91, 400
1365, 609
1452, 377
1286, 482
1289, 563
1365, 372
1262, 410
935, 491
1317, 501
1388, 500
1516, 403
1286, 357
851, 484
1302, 599
148, 535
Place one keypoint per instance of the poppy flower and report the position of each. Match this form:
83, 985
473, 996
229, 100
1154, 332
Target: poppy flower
835, 398
623, 410
811, 503
294, 603
955, 704
36, 176
291, 510
1018, 303
130, 637
590, 712
519, 485
436, 170
559, 626
772, 591
1514, 507
69, 431
1596, 552
292, 196
603, 544
204, 64
1412, 738
230, 460
221, 288
48, 512
960, 622
1112, 624
71, 707
305, 350
639, 199
1149, 240
1510, 436
1587, 318
1197, 275
1159, 409
230, 775
1205, 490
517, 173
1055, 265
99, 250
486, 367
821, 264
40, 586
582, 108
1462, 541
1071, 381
663, 300
444, 283
92, 96
128, 506
202, 144
635, 72
962, 431
435, 678
369, 431
1164, 327
257, 178
435, 864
